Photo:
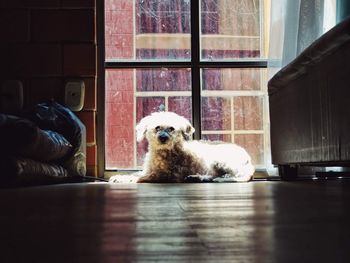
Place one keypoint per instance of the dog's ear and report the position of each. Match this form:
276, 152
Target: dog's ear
187, 132
141, 128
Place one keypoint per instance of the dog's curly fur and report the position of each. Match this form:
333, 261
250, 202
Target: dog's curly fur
173, 157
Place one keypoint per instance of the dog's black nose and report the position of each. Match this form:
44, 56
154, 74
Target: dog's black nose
163, 137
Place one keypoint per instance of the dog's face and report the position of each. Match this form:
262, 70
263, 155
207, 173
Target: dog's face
164, 130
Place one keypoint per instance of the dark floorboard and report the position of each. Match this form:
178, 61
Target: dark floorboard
305, 221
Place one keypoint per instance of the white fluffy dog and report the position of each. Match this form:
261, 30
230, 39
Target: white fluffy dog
173, 157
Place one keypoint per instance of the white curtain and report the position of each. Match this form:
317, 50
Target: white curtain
295, 24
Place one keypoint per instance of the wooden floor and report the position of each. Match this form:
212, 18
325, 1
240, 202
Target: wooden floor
305, 221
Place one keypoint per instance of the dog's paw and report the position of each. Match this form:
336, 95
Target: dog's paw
192, 179
117, 179
227, 178
197, 178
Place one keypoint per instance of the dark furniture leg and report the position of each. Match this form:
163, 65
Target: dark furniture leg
288, 172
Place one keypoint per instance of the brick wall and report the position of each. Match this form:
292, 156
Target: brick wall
44, 43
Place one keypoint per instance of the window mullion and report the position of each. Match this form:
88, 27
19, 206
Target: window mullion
195, 68
258, 63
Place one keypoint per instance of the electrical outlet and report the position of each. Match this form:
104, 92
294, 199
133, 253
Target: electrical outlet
74, 94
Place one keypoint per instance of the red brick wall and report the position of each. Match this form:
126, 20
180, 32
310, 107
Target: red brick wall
44, 43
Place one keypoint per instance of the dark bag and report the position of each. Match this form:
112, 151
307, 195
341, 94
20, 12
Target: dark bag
21, 137
53, 116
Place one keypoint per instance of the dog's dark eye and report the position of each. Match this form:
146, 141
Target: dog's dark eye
157, 128
170, 129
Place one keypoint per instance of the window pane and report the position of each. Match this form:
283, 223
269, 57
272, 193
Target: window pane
234, 29
119, 31
119, 118
147, 29
181, 105
216, 113
248, 112
254, 144
163, 79
232, 79
217, 137
132, 94
232, 108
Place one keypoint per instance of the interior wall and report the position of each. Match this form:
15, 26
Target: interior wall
44, 43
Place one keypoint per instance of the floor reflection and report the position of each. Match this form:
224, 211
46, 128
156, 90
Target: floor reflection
304, 221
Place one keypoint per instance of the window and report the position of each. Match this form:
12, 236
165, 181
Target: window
205, 60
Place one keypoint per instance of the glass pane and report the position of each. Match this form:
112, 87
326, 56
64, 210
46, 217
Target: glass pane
217, 137
254, 144
234, 29
119, 118
232, 108
216, 113
248, 112
132, 94
147, 30
181, 105
232, 79
163, 79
